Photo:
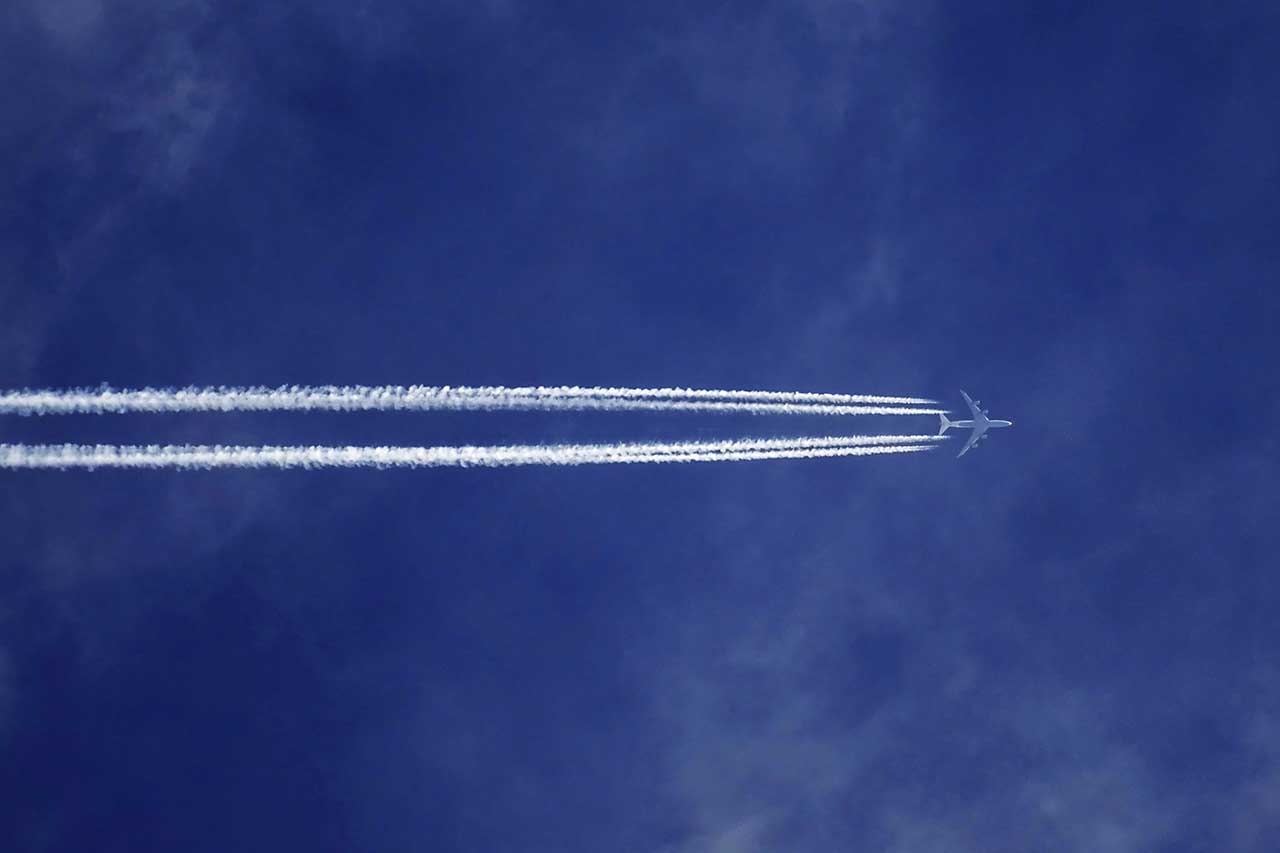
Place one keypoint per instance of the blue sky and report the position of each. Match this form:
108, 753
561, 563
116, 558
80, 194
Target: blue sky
1069, 212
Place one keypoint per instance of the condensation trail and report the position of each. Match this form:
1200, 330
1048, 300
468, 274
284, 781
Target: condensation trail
426, 398
704, 394
218, 456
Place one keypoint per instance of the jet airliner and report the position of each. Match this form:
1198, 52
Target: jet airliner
979, 423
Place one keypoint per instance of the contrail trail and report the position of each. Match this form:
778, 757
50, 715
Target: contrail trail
425, 398
17, 456
703, 394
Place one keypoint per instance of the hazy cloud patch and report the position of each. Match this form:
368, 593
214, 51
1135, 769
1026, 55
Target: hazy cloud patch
172, 110
1254, 821
130, 96
68, 21
154, 79
777, 86
798, 717
759, 736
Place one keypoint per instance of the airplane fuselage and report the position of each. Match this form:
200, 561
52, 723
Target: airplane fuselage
970, 424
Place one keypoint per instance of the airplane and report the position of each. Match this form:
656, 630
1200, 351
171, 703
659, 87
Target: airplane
980, 423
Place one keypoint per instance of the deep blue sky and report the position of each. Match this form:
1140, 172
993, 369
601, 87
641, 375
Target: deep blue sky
1066, 640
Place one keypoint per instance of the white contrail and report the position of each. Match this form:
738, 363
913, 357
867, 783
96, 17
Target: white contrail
743, 444
702, 394
218, 456
424, 398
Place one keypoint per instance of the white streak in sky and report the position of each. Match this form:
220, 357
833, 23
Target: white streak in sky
17, 456
703, 394
426, 398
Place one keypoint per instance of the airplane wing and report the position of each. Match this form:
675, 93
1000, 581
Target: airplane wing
973, 439
973, 406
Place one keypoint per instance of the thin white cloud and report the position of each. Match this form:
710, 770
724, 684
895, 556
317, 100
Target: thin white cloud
130, 96
756, 766
781, 83
785, 730
68, 21
163, 92
1254, 810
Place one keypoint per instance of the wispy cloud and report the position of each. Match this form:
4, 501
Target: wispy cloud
160, 78
120, 101
69, 21
782, 80
759, 763
850, 709
1254, 811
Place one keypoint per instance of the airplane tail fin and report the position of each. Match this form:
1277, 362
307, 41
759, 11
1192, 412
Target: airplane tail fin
943, 423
